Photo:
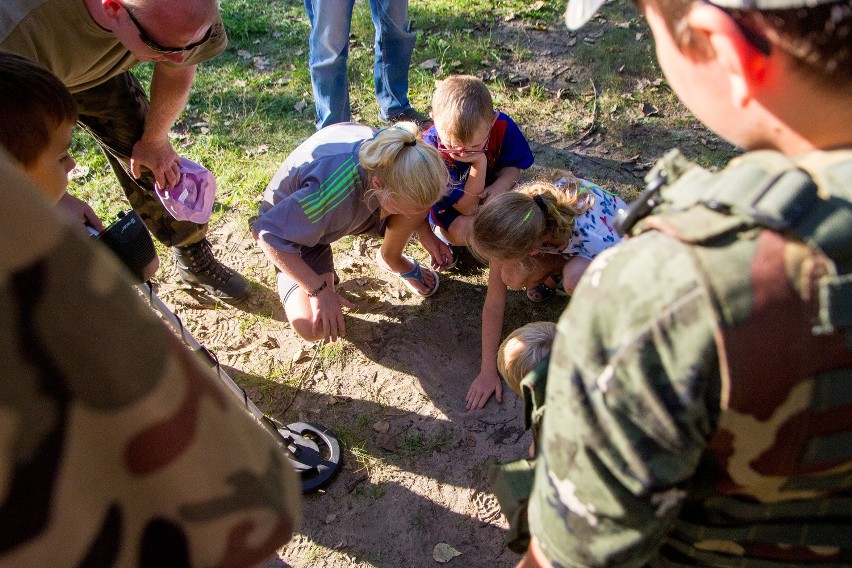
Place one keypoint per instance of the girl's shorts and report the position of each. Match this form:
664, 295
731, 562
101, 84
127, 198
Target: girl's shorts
443, 217
321, 260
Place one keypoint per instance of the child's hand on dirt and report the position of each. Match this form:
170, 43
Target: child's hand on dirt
328, 315
481, 389
440, 255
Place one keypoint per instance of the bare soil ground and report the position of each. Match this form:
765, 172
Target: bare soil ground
414, 470
393, 390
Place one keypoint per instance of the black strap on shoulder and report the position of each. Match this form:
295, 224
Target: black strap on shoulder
778, 202
767, 189
642, 206
789, 202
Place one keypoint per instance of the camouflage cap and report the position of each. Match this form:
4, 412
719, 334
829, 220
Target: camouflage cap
581, 11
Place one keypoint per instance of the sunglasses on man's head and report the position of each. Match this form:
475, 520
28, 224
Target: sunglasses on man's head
146, 39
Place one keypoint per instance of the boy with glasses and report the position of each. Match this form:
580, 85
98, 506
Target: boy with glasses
484, 150
90, 45
699, 412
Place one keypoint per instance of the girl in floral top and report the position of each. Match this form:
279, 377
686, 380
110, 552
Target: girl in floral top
540, 234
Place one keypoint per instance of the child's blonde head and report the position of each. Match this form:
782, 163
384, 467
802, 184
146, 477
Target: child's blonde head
521, 351
461, 105
511, 225
410, 170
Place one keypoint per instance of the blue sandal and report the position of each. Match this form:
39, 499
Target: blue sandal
417, 274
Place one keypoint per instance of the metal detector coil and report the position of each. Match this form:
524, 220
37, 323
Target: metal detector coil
315, 453
312, 450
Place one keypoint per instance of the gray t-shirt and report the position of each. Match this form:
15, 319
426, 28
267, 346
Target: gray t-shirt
62, 36
319, 194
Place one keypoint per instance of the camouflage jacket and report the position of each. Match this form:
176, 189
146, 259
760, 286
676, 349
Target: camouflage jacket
118, 446
699, 398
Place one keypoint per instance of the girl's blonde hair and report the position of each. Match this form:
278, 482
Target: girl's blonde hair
411, 170
511, 224
521, 351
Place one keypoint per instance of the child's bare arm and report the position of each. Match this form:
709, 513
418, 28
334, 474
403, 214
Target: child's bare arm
440, 254
507, 178
473, 186
325, 304
488, 381
573, 271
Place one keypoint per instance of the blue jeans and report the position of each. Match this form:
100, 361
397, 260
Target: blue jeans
329, 49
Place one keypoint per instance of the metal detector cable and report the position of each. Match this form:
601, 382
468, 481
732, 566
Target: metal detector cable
189, 340
312, 449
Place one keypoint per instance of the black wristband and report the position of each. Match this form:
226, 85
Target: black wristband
315, 293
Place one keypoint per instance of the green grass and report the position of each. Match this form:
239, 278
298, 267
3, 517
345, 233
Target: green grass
283, 373
267, 389
418, 444
253, 104
331, 353
368, 462
371, 491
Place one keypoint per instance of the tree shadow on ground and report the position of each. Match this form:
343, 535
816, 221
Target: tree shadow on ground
439, 341
372, 501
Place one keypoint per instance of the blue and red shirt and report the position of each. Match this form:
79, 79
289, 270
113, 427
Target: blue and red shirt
506, 147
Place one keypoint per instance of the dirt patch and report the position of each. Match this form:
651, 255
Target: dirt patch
393, 391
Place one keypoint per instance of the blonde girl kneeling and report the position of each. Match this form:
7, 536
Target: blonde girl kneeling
348, 179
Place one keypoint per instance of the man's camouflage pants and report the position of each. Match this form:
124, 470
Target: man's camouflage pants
114, 113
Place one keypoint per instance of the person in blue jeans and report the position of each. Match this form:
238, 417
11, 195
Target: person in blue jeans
331, 21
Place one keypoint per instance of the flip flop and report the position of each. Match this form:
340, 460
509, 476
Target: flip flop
417, 274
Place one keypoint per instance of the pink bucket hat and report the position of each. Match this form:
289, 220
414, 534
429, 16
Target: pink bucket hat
191, 199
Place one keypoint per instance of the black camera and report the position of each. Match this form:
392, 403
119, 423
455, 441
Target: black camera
129, 239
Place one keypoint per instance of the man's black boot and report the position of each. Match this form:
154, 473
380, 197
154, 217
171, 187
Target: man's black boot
197, 266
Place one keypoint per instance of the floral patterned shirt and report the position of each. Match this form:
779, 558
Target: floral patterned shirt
593, 230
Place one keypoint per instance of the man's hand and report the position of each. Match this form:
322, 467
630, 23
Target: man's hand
481, 389
327, 314
170, 88
80, 212
160, 157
